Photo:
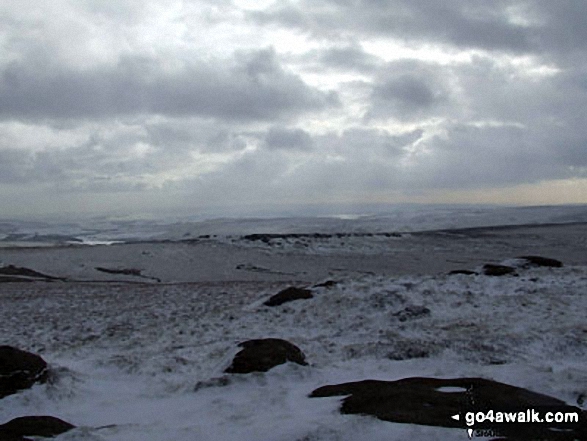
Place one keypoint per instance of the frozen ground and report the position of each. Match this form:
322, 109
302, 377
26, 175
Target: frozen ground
136, 359
305, 259
129, 357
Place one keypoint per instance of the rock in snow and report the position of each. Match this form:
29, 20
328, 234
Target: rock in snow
45, 426
289, 295
542, 261
433, 402
497, 270
13, 273
20, 370
326, 284
263, 354
466, 272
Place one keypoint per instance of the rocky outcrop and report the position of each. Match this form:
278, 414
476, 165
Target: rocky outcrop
491, 269
542, 261
268, 238
20, 370
433, 402
11, 273
123, 271
126, 272
263, 354
45, 426
289, 295
326, 284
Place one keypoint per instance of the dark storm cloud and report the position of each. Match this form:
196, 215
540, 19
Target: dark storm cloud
562, 31
550, 28
169, 98
177, 135
15, 166
102, 159
471, 24
288, 139
465, 157
355, 160
408, 90
253, 87
478, 157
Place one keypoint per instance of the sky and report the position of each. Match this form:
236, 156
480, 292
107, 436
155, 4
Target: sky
143, 106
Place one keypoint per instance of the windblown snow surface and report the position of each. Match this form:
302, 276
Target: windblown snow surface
145, 361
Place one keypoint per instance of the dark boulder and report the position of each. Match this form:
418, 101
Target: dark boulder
433, 402
462, 271
14, 438
20, 370
289, 295
266, 238
497, 270
263, 354
123, 271
542, 261
13, 273
45, 426
126, 272
326, 284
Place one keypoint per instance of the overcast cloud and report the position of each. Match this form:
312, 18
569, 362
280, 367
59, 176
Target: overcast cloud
133, 105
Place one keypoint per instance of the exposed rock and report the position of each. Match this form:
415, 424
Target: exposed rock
260, 355
20, 370
15, 438
289, 295
267, 238
20, 274
411, 312
124, 271
497, 270
251, 267
432, 402
462, 271
326, 284
262, 237
542, 261
45, 426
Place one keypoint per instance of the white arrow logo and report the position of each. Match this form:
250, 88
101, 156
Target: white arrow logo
456, 417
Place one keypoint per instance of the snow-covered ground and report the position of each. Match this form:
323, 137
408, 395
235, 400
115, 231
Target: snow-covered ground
139, 359
128, 357
400, 218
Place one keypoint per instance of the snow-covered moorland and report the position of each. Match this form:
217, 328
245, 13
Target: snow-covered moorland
138, 333
144, 361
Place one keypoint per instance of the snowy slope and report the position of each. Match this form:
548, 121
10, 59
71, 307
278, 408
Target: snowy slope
128, 357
